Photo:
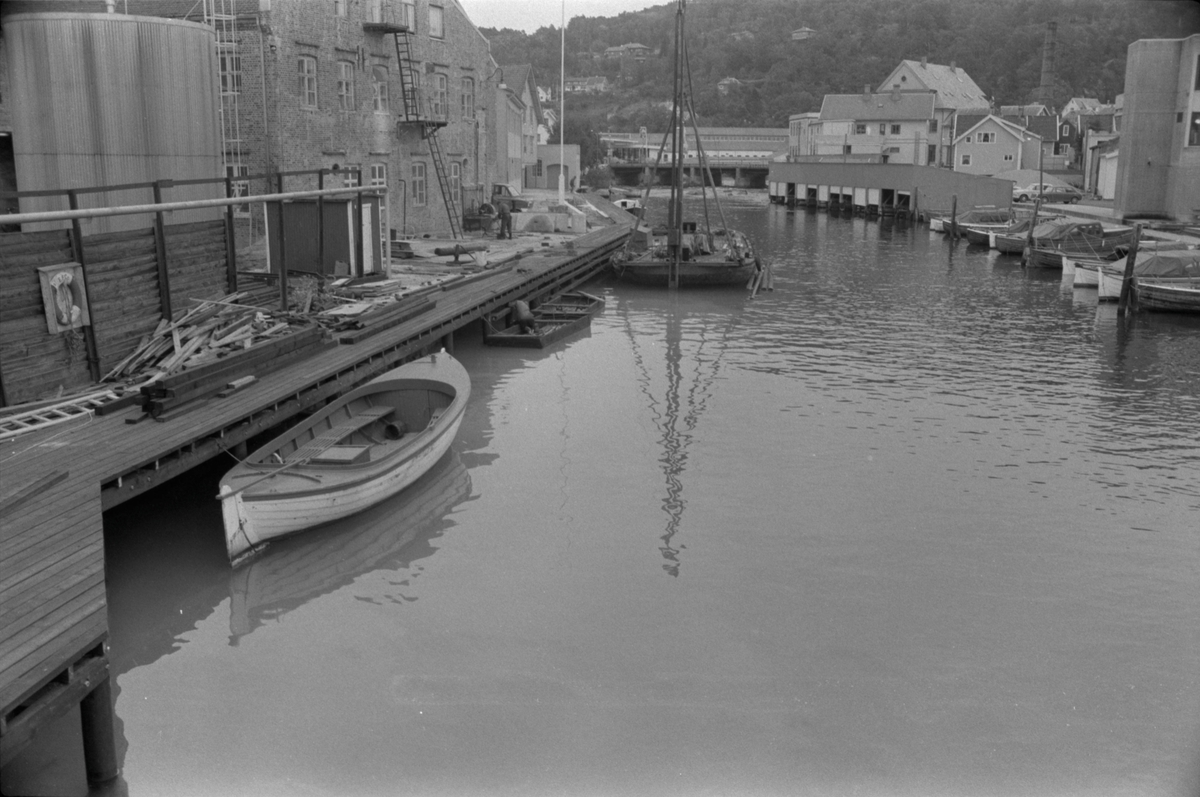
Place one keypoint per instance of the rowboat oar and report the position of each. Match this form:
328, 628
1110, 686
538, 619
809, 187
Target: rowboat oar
226, 492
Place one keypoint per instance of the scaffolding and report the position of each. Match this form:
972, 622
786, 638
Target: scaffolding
221, 16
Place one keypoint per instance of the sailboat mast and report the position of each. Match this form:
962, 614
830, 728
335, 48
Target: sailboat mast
675, 213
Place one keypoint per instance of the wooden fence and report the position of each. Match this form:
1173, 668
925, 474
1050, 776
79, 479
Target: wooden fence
132, 278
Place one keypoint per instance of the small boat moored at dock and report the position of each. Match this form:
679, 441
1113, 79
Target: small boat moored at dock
365, 447
553, 320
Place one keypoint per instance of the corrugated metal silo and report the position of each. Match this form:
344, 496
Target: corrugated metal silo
111, 99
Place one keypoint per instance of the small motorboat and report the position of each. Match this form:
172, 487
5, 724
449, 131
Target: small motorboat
554, 319
365, 447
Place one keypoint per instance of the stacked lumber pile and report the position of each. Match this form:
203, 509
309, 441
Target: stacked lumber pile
358, 321
215, 348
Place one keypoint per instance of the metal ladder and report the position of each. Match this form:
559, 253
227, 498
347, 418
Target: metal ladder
429, 127
439, 168
41, 417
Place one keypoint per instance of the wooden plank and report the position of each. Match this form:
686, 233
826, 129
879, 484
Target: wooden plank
40, 604
32, 673
13, 500
62, 620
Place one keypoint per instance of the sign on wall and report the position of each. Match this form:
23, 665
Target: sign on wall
64, 297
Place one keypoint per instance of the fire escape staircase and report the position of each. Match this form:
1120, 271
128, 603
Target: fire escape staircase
413, 114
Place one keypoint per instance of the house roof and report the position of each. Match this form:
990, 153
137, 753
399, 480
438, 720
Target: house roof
1036, 109
1047, 127
882, 107
954, 87
521, 75
1014, 130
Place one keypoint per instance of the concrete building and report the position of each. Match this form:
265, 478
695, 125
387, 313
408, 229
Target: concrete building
1158, 168
989, 145
954, 93
553, 159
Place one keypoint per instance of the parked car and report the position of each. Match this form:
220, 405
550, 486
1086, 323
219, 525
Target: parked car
1049, 193
512, 195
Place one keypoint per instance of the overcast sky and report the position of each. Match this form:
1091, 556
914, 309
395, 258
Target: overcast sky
529, 15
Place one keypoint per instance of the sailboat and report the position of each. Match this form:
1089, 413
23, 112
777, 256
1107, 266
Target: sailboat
684, 253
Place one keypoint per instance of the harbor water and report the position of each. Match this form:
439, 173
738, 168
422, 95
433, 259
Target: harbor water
915, 522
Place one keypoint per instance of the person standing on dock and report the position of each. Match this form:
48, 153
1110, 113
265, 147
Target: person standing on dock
505, 213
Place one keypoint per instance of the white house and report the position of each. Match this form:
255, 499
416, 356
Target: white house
892, 127
954, 93
992, 145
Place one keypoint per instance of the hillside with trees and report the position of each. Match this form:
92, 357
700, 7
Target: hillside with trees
855, 43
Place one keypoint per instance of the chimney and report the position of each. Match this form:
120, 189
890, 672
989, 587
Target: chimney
895, 92
867, 93
952, 66
924, 61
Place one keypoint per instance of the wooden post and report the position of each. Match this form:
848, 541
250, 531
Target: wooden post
99, 742
320, 223
1029, 235
160, 252
1130, 262
954, 217
230, 241
358, 223
89, 332
283, 281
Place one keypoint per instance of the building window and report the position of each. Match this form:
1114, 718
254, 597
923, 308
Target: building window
379, 89
438, 96
408, 14
239, 187
418, 185
1008, 158
468, 98
350, 175
987, 138
537, 170
378, 175
307, 71
860, 129
895, 130
933, 125
339, 8
882, 128
966, 160
1194, 131
846, 149
436, 20
456, 181
967, 140
1197, 86
229, 63
345, 85
1065, 132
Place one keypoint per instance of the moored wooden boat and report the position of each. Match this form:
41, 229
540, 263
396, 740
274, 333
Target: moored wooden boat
723, 257
366, 446
1087, 273
1168, 281
555, 319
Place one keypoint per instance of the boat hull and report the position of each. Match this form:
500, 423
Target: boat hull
1086, 275
557, 319
283, 499
692, 274
1167, 294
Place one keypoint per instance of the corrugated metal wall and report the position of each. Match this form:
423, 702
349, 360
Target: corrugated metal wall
108, 99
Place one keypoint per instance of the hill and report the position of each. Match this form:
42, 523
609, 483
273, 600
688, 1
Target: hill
855, 43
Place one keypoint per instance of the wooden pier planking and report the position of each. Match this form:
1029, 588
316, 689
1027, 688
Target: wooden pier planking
54, 611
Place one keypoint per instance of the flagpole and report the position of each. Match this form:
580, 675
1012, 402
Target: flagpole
562, 119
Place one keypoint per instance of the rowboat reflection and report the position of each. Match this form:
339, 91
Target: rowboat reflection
294, 570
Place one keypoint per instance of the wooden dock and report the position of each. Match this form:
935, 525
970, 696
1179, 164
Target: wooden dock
56, 482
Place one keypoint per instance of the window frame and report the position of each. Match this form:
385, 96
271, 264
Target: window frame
419, 184
439, 95
351, 176
381, 101
229, 68
307, 87
467, 97
860, 128
345, 86
964, 159
987, 137
1193, 139
339, 8
408, 14
895, 130
933, 125
456, 182
437, 30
